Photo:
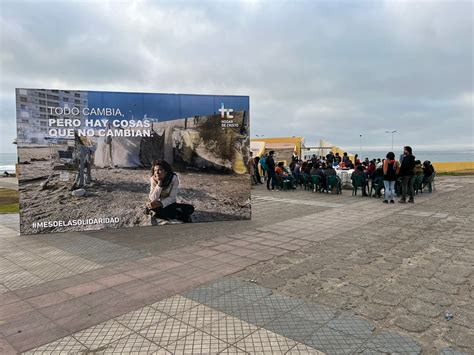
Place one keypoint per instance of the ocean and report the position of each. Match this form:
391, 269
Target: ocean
433, 156
7, 162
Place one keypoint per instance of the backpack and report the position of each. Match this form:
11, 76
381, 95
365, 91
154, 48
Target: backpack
391, 171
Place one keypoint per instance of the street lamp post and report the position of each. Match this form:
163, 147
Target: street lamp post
360, 146
392, 132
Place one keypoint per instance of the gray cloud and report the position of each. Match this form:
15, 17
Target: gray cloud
329, 70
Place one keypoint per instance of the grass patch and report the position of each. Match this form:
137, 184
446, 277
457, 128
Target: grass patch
9, 201
10, 208
456, 173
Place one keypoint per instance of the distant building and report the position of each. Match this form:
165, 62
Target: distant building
33, 113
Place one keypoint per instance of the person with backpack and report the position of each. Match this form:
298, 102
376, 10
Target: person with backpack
391, 168
263, 164
406, 172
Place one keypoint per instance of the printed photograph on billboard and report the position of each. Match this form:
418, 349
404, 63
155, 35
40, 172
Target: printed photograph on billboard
90, 160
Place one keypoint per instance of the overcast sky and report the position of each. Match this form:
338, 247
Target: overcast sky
320, 69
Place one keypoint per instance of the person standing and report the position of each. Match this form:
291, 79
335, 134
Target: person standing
263, 165
251, 169
297, 173
330, 158
257, 172
406, 172
356, 160
391, 168
428, 175
345, 158
371, 168
271, 170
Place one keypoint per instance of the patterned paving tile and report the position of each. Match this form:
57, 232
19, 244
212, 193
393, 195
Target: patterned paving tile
265, 342
102, 334
369, 352
351, 325
314, 312
333, 342
204, 293
167, 331
66, 345
3, 289
32, 263
257, 314
133, 344
293, 327
200, 316
233, 350
228, 303
52, 273
197, 343
174, 305
449, 351
280, 302
20, 279
230, 329
20, 256
61, 258
80, 265
392, 342
301, 349
141, 318
251, 292
227, 284
7, 267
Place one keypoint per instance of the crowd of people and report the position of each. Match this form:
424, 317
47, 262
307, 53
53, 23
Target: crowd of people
395, 177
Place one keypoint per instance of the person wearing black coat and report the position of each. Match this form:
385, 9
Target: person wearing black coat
406, 173
271, 170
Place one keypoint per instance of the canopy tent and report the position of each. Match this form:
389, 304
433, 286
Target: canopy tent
283, 151
297, 142
128, 152
257, 148
323, 148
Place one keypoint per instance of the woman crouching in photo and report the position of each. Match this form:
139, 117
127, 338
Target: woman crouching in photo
164, 185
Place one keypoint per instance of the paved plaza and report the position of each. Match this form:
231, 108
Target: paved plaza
312, 273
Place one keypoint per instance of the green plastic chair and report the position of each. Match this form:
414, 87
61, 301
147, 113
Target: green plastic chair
307, 182
418, 184
429, 183
287, 184
317, 183
357, 181
279, 182
334, 183
376, 187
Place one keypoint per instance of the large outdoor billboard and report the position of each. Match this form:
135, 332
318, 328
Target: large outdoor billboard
90, 160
